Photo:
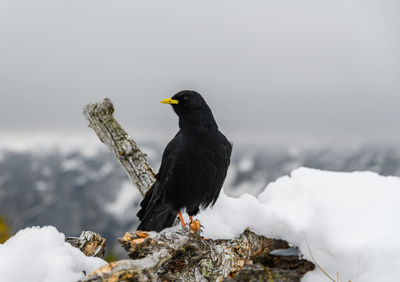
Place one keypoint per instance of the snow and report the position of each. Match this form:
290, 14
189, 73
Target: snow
106, 169
41, 186
46, 171
63, 142
123, 206
40, 254
246, 164
72, 164
349, 220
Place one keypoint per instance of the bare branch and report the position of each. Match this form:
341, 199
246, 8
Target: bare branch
122, 270
134, 162
90, 243
178, 254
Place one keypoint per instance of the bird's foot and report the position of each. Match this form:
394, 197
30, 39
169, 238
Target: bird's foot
195, 226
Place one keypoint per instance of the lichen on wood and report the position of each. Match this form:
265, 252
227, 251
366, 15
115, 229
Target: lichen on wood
178, 254
131, 158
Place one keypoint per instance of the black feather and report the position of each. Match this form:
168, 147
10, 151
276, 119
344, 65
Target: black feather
193, 166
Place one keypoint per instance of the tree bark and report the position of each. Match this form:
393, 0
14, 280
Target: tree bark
177, 254
90, 243
131, 158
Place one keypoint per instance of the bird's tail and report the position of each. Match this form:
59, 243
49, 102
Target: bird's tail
153, 215
144, 204
157, 219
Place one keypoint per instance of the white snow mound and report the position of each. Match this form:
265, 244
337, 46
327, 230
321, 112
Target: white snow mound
350, 221
40, 254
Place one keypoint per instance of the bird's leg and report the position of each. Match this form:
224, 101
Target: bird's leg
181, 219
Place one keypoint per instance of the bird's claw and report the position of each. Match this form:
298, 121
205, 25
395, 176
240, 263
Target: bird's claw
195, 226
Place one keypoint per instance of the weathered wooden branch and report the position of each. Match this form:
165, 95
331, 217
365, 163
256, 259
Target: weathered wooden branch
192, 258
90, 243
178, 254
175, 253
131, 158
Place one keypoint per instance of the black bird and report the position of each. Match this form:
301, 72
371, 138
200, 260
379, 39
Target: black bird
193, 166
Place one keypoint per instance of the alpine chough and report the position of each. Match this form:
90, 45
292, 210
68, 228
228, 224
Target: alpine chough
193, 166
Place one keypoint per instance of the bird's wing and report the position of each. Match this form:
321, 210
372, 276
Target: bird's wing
170, 158
156, 211
163, 178
224, 151
228, 148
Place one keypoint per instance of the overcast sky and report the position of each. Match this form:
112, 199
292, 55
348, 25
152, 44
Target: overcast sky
311, 68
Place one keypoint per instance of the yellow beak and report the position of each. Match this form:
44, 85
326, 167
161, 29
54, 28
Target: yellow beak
169, 101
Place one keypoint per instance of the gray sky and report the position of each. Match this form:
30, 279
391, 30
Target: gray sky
286, 68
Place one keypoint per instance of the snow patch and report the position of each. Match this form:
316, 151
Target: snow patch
106, 169
47, 171
41, 186
87, 144
349, 220
40, 254
123, 205
246, 164
72, 164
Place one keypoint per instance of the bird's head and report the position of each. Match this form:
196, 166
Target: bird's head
185, 102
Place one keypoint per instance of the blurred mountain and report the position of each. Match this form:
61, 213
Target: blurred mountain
82, 189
